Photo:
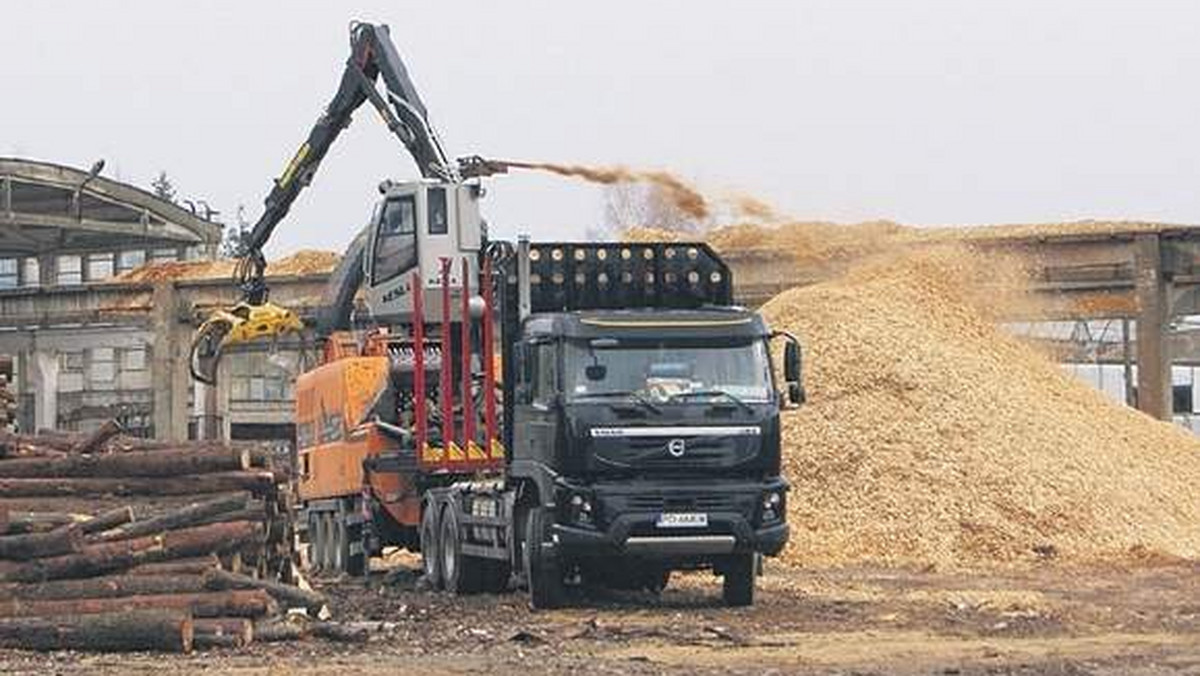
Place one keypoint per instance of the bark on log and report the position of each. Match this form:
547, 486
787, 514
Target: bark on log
281, 630
219, 482
276, 631
36, 545
95, 441
224, 631
111, 557
287, 595
111, 586
190, 515
133, 464
239, 603
107, 520
192, 566
143, 630
37, 522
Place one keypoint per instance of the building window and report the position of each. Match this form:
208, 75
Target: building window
31, 275
133, 359
99, 267
70, 270
128, 260
102, 367
254, 378
71, 362
1181, 400
9, 278
164, 255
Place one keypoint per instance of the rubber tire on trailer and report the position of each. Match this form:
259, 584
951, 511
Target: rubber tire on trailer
494, 576
542, 574
737, 585
431, 554
460, 574
339, 544
327, 530
356, 564
320, 543
314, 541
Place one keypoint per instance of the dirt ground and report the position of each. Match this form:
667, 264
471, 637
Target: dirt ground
1112, 620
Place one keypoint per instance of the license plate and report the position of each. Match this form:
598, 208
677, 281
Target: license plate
683, 520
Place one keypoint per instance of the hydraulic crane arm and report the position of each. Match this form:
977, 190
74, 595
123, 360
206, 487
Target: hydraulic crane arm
373, 57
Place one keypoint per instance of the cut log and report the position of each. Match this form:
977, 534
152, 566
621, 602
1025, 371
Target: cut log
239, 603
275, 631
107, 520
111, 557
216, 632
142, 630
287, 595
111, 586
36, 545
196, 484
95, 441
132, 464
193, 566
193, 514
31, 522
344, 632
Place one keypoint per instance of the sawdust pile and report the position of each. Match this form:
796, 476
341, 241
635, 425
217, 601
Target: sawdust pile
685, 197
931, 437
305, 262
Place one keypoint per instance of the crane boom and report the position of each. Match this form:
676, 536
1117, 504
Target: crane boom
373, 57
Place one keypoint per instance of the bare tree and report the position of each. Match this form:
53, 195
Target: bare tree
643, 205
163, 188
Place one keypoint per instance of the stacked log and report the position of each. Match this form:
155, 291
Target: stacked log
113, 543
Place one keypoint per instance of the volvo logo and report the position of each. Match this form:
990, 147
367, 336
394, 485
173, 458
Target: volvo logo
676, 447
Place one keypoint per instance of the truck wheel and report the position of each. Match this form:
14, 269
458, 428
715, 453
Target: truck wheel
542, 574
494, 576
314, 542
339, 543
356, 551
327, 561
738, 583
430, 554
460, 574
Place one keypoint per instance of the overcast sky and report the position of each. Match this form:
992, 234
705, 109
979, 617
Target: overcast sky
924, 112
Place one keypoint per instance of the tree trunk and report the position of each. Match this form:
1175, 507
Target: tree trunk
110, 557
142, 630
184, 516
287, 595
107, 520
240, 603
193, 566
255, 480
236, 632
275, 631
105, 587
36, 545
31, 522
132, 464
95, 441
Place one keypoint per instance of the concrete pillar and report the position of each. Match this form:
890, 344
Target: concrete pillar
45, 389
169, 370
212, 406
1153, 357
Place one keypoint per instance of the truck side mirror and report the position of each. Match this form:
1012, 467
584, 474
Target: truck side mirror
792, 372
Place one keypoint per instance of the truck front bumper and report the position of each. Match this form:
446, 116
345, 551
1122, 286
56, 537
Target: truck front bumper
635, 532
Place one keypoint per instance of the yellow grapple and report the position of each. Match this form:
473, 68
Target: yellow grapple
241, 323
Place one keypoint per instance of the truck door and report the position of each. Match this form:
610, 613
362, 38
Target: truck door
536, 415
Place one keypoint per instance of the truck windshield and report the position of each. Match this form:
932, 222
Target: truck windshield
671, 371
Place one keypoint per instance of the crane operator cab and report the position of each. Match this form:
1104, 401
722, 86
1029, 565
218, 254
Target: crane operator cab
416, 226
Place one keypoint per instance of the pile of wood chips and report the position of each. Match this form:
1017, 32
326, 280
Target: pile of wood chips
305, 262
933, 438
114, 543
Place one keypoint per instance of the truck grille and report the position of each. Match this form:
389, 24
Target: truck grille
682, 503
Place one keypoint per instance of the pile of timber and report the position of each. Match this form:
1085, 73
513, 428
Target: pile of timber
113, 543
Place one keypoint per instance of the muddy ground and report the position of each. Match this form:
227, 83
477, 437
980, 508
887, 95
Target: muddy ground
1113, 620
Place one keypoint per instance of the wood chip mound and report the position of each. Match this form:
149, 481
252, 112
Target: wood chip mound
305, 262
933, 438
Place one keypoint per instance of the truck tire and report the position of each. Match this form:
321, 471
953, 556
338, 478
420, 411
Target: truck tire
460, 574
430, 551
356, 556
314, 542
327, 542
339, 543
737, 587
542, 573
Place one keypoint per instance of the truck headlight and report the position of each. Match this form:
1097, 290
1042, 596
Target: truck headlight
772, 506
581, 510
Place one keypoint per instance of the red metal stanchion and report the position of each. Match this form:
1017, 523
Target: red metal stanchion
419, 413
492, 443
468, 402
447, 382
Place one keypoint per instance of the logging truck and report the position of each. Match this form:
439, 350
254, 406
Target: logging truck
538, 414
